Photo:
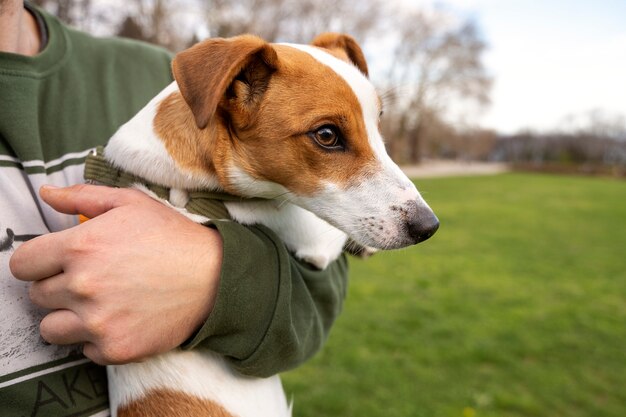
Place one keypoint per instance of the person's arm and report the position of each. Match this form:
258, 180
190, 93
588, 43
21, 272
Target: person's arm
139, 279
272, 311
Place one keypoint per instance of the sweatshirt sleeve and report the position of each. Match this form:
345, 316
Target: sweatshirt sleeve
272, 311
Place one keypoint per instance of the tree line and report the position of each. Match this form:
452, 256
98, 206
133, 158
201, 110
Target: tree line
590, 143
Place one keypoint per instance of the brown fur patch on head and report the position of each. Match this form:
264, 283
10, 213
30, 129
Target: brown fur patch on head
170, 403
303, 95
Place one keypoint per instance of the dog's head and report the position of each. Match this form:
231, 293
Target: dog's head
301, 122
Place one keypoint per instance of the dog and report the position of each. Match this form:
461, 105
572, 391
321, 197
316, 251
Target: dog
293, 130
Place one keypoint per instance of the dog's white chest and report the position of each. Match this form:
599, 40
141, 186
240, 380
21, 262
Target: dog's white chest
306, 235
197, 382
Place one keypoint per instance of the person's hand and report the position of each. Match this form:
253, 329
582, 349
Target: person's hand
136, 280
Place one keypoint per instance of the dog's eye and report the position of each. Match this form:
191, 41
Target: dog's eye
328, 137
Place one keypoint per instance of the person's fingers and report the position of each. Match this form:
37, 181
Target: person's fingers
88, 200
38, 258
63, 327
51, 293
110, 353
92, 352
43, 256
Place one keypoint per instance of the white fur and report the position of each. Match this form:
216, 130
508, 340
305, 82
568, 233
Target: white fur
251, 187
204, 375
309, 237
178, 197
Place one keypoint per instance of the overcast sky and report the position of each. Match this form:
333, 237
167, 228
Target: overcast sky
551, 58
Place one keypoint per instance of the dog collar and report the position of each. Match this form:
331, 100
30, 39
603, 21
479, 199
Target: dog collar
208, 203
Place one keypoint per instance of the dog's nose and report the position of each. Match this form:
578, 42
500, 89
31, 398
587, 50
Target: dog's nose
423, 225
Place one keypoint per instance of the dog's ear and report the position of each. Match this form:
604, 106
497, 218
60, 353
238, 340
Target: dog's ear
211, 70
343, 46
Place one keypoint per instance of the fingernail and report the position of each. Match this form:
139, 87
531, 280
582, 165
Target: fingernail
49, 187
46, 189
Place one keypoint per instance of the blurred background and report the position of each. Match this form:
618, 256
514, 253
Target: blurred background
517, 306
539, 84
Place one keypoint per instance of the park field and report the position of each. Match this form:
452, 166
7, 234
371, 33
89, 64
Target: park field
516, 307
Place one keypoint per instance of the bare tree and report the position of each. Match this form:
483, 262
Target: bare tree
434, 65
131, 29
596, 122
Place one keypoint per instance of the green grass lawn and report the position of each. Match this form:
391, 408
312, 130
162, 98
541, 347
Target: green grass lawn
516, 307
